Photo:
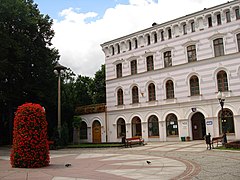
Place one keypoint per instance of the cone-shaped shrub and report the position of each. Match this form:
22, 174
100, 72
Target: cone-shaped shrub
30, 147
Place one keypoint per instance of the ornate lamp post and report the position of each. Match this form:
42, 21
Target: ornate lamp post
221, 99
58, 70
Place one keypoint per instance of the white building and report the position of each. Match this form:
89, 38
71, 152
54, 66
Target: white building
162, 82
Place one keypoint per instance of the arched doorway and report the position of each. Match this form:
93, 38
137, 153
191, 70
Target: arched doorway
226, 124
136, 127
198, 126
83, 130
96, 132
121, 128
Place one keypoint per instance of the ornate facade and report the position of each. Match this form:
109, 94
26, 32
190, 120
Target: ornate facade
162, 82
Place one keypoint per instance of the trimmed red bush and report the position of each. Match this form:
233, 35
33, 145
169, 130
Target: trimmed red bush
30, 147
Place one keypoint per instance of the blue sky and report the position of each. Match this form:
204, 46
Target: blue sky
54, 7
82, 25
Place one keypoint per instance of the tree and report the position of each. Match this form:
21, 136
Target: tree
26, 58
98, 87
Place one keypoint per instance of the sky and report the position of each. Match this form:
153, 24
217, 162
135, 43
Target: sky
81, 26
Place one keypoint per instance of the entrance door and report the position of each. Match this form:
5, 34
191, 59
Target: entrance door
96, 132
198, 126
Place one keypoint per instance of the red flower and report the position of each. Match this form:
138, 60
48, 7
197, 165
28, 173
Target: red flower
30, 147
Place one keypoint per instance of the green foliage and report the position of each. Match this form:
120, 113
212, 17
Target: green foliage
26, 59
30, 144
98, 87
76, 121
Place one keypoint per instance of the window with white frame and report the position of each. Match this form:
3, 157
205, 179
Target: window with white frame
153, 126
167, 59
133, 67
150, 65
151, 92
218, 47
238, 41
172, 125
121, 128
194, 86
191, 53
135, 96
120, 97
169, 89
119, 70
222, 81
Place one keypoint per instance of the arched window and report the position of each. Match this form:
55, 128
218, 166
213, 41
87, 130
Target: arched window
120, 97
194, 86
136, 127
153, 127
121, 128
218, 47
226, 122
151, 92
191, 53
150, 65
222, 81
135, 97
83, 130
172, 125
169, 89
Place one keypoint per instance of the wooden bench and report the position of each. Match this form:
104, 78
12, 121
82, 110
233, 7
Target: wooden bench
134, 140
216, 140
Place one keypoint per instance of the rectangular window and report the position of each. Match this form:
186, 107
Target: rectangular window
169, 33
218, 47
184, 29
238, 41
130, 45
119, 70
228, 16
150, 65
167, 59
237, 14
193, 27
155, 37
133, 67
219, 21
162, 35
209, 21
136, 44
191, 53
148, 40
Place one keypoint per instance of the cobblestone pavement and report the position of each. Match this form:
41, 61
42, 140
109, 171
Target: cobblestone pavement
160, 160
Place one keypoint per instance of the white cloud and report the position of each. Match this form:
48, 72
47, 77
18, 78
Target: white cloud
78, 39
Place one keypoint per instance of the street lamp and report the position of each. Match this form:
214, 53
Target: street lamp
221, 99
58, 70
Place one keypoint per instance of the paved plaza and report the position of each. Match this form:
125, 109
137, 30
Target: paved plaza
159, 160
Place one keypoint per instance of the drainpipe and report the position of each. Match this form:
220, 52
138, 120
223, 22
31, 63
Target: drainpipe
106, 125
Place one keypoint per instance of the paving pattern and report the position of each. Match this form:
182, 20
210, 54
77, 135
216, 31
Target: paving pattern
168, 160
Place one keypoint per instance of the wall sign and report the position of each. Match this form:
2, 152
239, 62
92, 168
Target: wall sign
209, 123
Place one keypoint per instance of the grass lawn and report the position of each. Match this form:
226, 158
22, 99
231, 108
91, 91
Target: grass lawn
224, 148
